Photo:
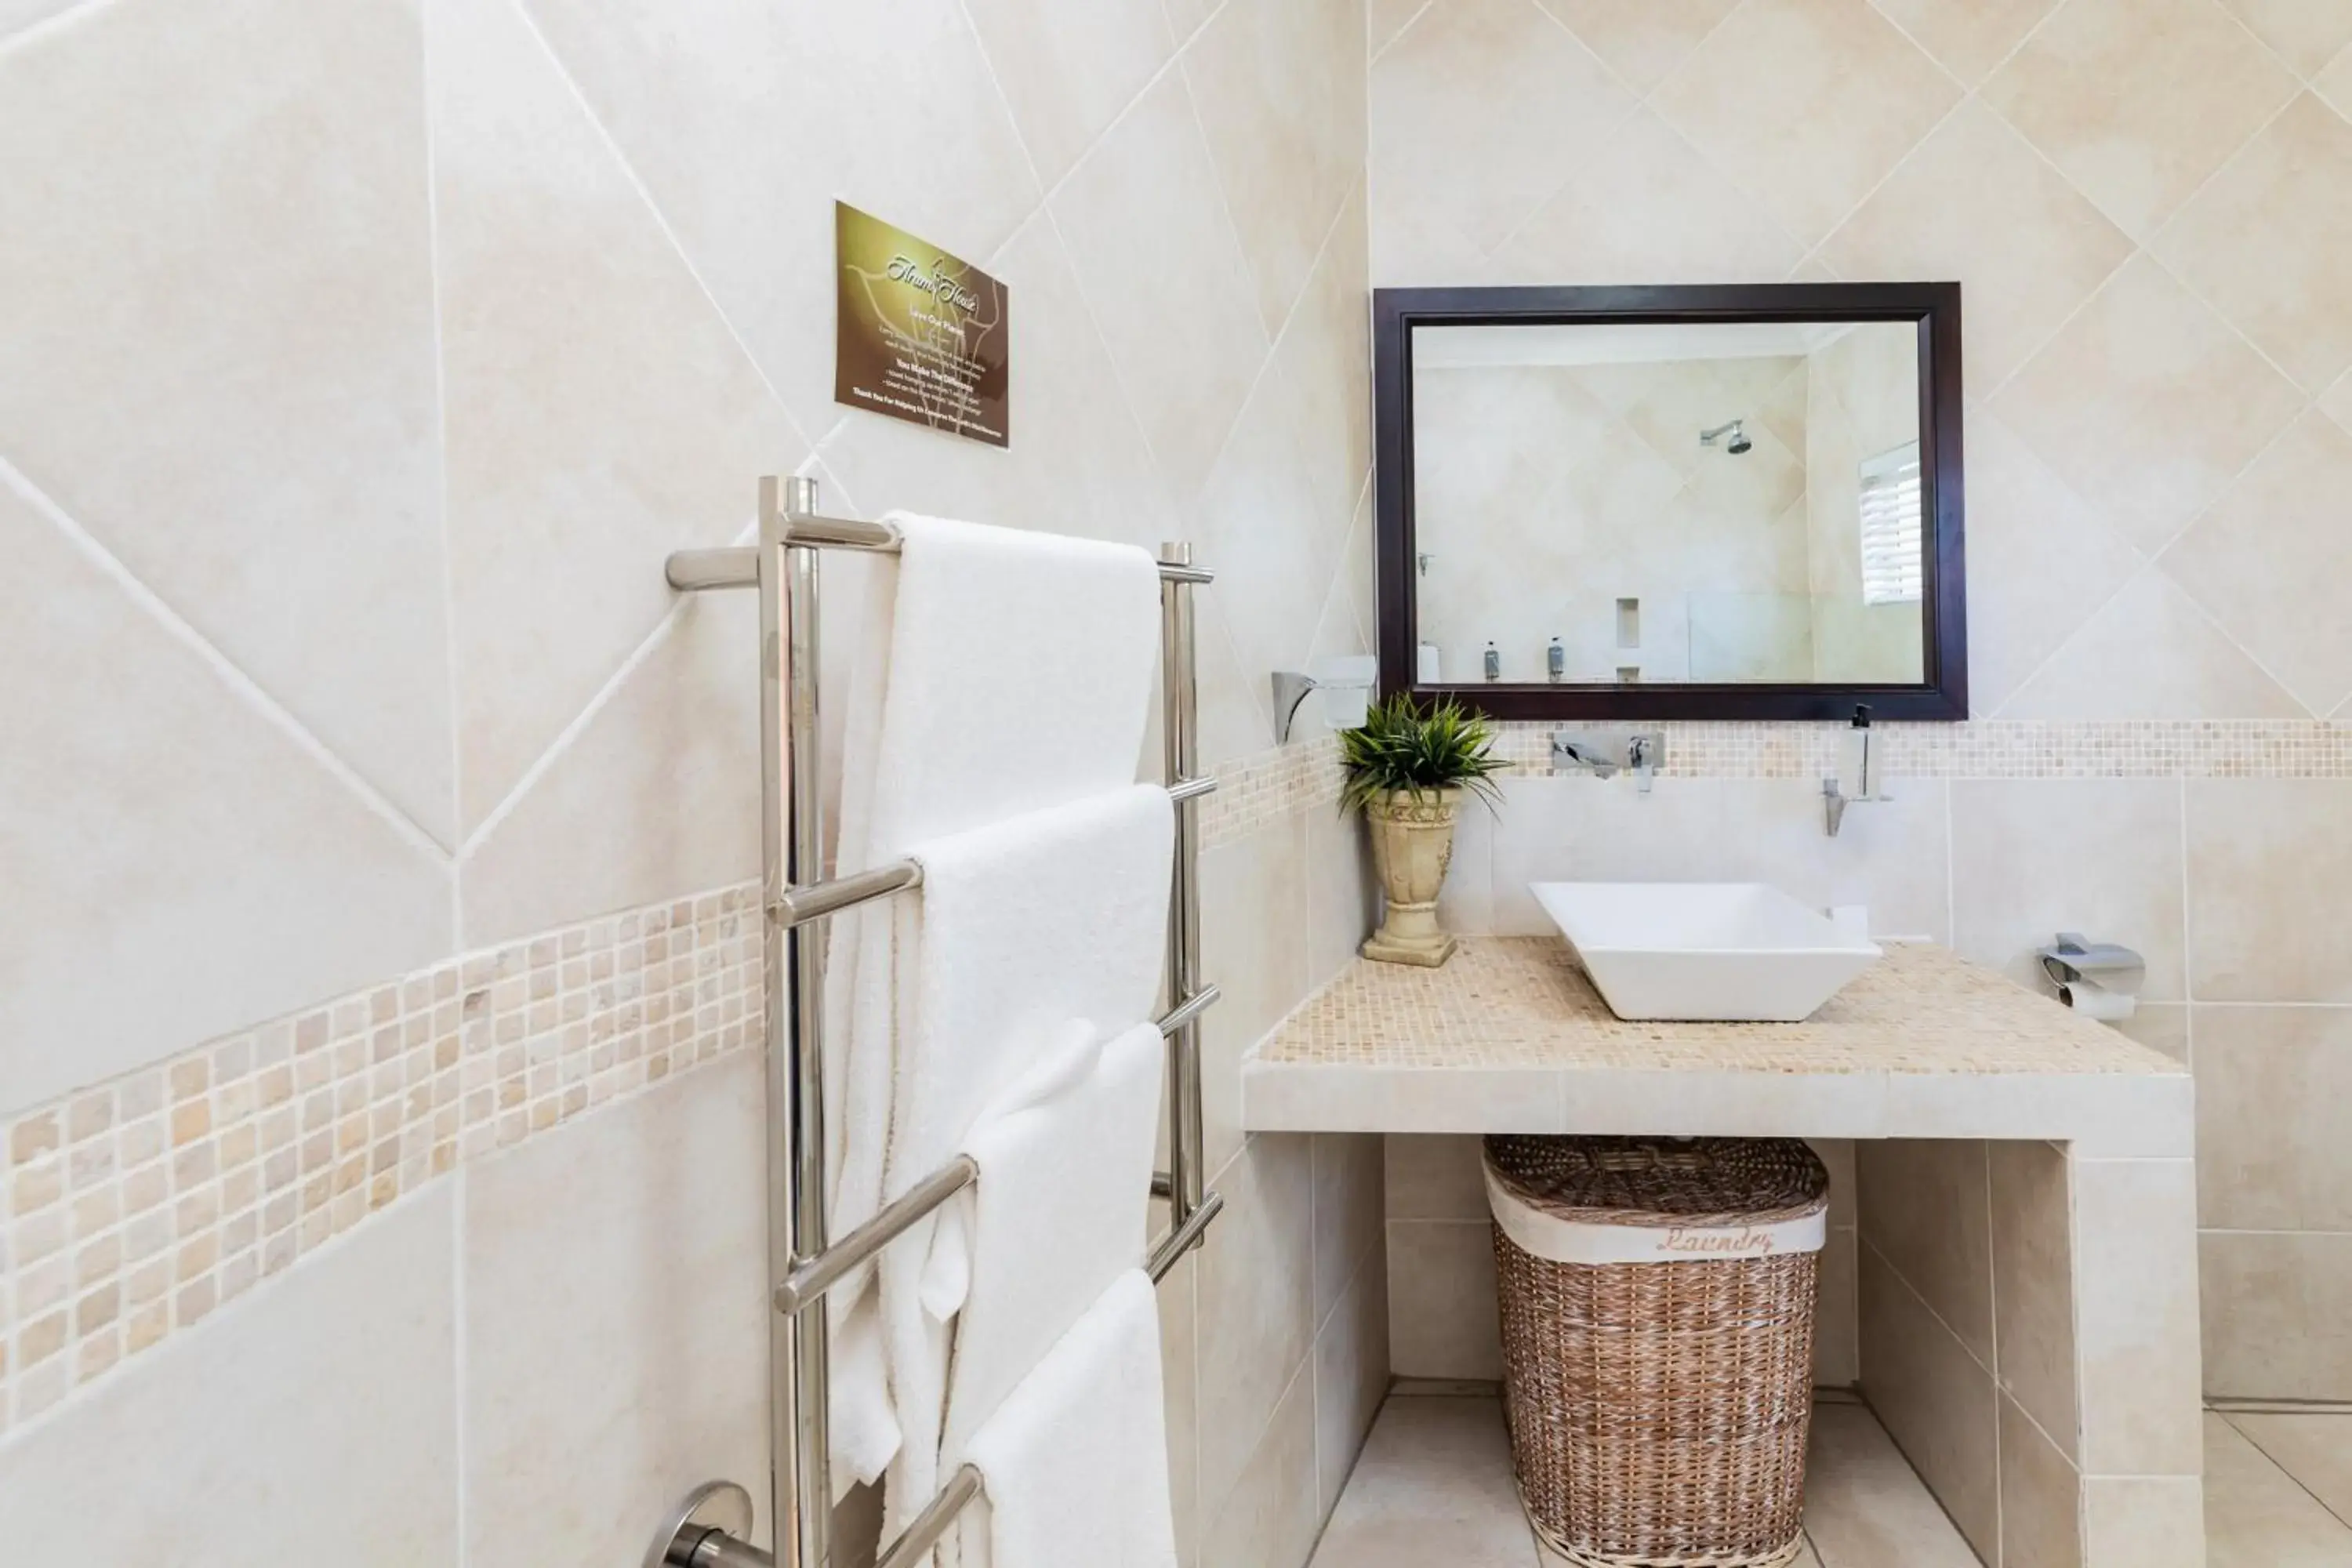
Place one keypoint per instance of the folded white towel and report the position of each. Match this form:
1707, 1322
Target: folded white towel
990, 673
1076, 1459
1060, 1211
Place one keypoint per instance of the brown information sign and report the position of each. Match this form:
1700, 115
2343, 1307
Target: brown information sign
923, 335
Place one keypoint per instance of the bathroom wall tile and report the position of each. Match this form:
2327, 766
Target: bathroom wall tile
1646, 207
1925, 1208
17, 16
1812, 100
581, 1336
2033, 1286
2275, 1324
2254, 1511
2262, 559
215, 345
2334, 83
745, 176
163, 827
1144, 218
1069, 67
1282, 99
2267, 236
1254, 949
1325, 358
2260, 851
1236, 712
1465, 902
575, 461
2041, 561
1937, 1403
2151, 652
2315, 1448
321, 1408
1976, 203
2139, 100
1078, 463
1864, 1506
1257, 1304
2306, 34
2032, 858
1180, 1365
1343, 889
1269, 1518
2135, 1315
1385, 20
1435, 1177
663, 780
1350, 1212
1968, 37
2162, 1027
1351, 1378
2146, 401
1490, 85
1443, 1318
2337, 402
1837, 1334
1837, 1156
2147, 1521
2040, 1496
1642, 40
1434, 1486
2271, 1083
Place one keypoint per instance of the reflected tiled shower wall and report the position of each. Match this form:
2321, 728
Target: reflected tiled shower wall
2149, 206
358, 366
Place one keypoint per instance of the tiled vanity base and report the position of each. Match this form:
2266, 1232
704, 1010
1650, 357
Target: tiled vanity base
2026, 1218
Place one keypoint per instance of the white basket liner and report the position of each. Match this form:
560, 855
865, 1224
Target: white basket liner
1549, 1236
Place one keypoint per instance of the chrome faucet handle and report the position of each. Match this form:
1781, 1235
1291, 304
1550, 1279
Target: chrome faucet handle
1582, 754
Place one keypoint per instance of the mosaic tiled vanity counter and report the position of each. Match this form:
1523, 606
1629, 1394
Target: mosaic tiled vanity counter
2032, 1345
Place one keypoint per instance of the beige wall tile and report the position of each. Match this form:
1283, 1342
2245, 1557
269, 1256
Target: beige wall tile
2334, 83
1642, 40
173, 831
2161, 1027
2155, 1521
1269, 1518
2032, 858
1864, 1506
2040, 1496
2271, 1083
1351, 1378
1349, 1215
1434, 1485
2275, 1323
2150, 652
1435, 1177
1386, 20
2306, 33
1936, 1401
575, 461
1257, 1304
2254, 1512
1837, 1156
1975, 202
1837, 1334
324, 1404
2259, 852
1252, 946
1343, 890
2260, 560
1813, 100
2139, 100
1443, 1318
643, 1391
2145, 402
1968, 37
1927, 1210
1324, 356
216, 345
2136, 1318
2316, 1450
1068, 67
1141, 217
2033, 1286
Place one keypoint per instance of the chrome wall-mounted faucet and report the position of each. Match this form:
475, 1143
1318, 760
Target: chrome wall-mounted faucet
1601, 753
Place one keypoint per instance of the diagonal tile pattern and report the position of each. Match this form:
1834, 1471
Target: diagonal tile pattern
2308, 34
1968, 37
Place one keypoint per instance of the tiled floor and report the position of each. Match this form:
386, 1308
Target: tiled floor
1434, 1486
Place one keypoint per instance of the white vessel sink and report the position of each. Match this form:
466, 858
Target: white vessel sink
1738, 951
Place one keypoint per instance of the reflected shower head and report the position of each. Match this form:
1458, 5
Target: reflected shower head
1736, 429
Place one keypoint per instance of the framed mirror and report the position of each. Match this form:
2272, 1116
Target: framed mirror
1713, 502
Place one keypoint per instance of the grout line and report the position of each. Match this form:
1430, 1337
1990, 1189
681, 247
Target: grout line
441, 476
2279, 1465
240, 684
463, 1365
1371, 55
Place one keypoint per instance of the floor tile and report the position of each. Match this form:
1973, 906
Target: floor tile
1864, 1506
1434, 1486
2315, 1449
2255, 1515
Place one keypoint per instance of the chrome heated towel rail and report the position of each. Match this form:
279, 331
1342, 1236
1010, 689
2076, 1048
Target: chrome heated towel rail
710, 1527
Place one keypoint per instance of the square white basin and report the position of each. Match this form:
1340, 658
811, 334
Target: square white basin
1734, 951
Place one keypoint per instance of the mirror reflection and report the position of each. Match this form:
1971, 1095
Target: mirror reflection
1615, 504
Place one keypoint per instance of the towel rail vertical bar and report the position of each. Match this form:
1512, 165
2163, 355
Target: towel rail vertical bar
799, 1479
1180, 745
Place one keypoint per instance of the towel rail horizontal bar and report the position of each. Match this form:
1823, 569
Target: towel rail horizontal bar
692, 571
1192, 1007
737, 565
1183, 790
814, 900
1184, 1238
924, 1532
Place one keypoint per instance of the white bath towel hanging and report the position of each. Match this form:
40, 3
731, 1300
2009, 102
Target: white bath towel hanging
1076, 1459
991, 673
1060, 1211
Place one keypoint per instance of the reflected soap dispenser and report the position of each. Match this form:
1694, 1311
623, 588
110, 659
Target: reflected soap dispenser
1556, 662
1494, 663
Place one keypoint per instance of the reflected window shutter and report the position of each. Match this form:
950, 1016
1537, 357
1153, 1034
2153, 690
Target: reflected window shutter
1891, 500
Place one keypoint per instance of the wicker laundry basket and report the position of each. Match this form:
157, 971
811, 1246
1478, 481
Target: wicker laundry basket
1657, 1306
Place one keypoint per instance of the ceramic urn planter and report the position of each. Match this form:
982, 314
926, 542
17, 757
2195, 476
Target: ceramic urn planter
1412, 843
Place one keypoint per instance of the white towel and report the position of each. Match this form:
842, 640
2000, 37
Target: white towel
1076, 1459
990, 672
1060, 1211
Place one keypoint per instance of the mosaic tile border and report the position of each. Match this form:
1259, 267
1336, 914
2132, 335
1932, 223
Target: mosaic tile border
1268, 787
131, 1210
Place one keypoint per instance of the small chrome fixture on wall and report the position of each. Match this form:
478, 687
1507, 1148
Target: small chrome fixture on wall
1858, 759
1346, 685
2098, 979
1601, 753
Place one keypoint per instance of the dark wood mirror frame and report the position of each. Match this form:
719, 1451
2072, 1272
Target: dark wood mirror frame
1934, 307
